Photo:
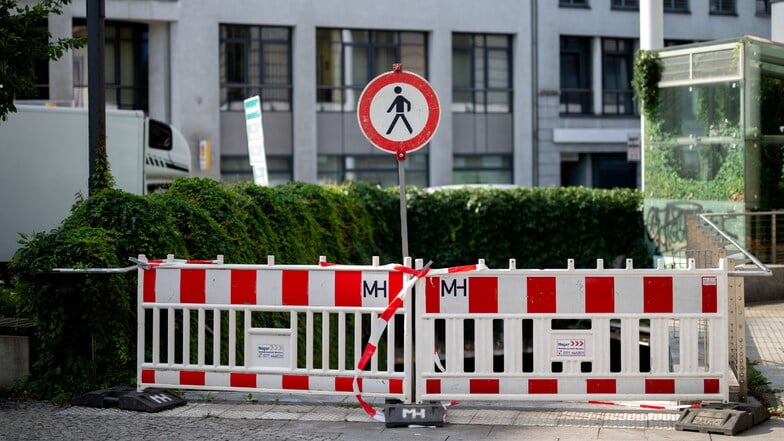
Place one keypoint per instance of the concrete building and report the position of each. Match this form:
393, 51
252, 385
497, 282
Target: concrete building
533, 93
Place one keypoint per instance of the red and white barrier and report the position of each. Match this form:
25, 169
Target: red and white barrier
200, 327
550, 335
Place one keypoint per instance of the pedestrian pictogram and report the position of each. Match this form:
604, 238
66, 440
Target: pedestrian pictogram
398, 112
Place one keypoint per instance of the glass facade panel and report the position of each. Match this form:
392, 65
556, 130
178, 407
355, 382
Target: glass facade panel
481, 73
376, 169
576, 93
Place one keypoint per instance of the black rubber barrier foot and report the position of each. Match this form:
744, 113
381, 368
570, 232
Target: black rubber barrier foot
405, 415
127, 398
723, 418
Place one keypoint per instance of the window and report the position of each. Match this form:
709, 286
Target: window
255, 60
482, 73
719, 7
346, 60
573, 3
236, 168
763, 7
125, 65
39, 67
576, 95
631, 5
377, 169
676, 5
617, 69
482, 169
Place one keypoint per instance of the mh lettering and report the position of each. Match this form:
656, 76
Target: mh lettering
373, 290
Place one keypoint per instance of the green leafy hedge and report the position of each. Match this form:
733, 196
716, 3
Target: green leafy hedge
86, 324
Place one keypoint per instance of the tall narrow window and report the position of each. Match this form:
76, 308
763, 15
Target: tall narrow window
617, 69
347, 59
255, 60
576, 95
482, 73
125, 65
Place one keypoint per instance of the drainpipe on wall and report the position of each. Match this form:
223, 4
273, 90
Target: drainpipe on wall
534, 94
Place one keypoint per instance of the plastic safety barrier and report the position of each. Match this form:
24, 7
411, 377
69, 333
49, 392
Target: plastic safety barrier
573, 334
270, 328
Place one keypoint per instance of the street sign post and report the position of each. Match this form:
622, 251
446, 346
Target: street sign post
399, 112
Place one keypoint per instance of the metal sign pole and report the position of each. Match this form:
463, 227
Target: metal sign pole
401, 177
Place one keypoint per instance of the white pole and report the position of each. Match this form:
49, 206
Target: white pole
777, 20
651, 24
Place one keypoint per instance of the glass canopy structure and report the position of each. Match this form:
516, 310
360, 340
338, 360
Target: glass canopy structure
716, 144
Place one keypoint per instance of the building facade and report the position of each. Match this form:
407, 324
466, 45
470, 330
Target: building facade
532, 93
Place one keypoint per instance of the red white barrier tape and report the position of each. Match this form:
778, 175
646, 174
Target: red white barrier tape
645, 405
375, 335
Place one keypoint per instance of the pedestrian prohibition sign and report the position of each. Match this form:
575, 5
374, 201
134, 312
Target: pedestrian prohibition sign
398, 112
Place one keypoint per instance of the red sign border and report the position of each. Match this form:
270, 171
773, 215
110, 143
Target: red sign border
379, 140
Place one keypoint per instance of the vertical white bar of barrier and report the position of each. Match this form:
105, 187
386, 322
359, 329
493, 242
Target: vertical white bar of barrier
201, 341
216, 337
156, 336
391, 344
358, 349
541, 350
309, 339
170, 325
513, 345
325, 340
630, 345
689, 345
601, 345
186, 336
140, 325
342, 341
374, 360
660, 346
233, 338
455, 344
247, 323
294, 322
483, 345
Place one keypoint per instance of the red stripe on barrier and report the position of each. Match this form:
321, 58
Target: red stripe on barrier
657, 294
297, 382
295, 288
483, 295
600, 386
395, 285
346, 384
348, 288
433, 295
243, 287
192, 286
396, 386
484, 386
148, 294
536, 386
659, 386
192, 378
541, 294
242, 380
433, 386
712, 385
148, 376
710, 299
599, 295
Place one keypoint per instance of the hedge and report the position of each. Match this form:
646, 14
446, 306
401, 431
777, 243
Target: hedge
86, 324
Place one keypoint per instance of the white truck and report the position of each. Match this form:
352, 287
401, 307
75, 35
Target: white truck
44, 164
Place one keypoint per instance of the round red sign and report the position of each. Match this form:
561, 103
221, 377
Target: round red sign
398, 112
